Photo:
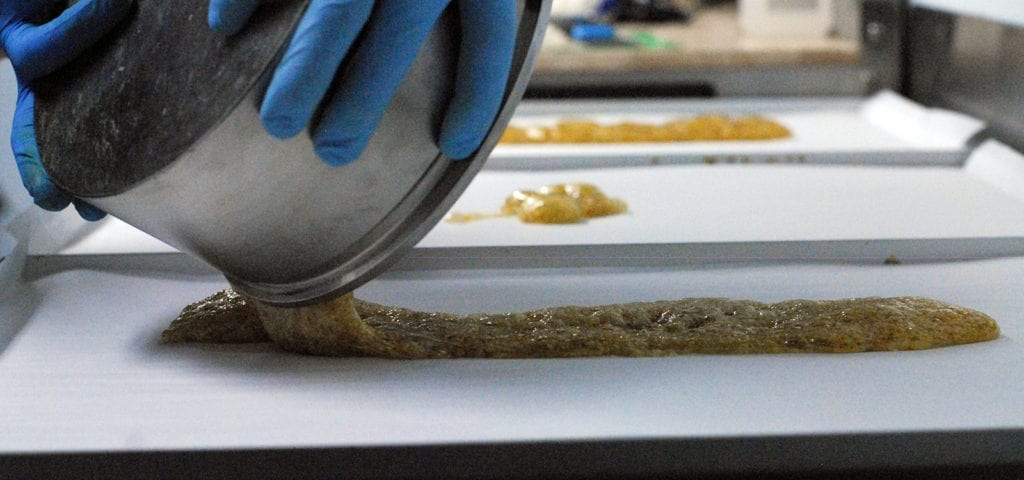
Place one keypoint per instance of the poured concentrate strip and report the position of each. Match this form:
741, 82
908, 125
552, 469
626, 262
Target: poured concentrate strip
350, 327
553, 204
702, 128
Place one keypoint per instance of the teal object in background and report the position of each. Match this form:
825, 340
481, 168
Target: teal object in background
592, 32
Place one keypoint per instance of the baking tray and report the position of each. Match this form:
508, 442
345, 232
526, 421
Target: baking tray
85, 388
885, 129
697, 213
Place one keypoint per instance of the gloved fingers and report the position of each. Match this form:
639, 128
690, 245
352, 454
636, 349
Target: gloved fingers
229, 16
305, 73
392, 39
36, 50
44, 192
88, 212
485, 58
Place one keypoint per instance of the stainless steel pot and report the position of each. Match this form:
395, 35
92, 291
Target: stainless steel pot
159, 126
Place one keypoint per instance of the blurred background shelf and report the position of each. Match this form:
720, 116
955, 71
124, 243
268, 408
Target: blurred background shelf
712, 56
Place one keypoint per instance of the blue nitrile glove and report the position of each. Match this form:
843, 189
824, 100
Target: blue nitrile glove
39, 38
393, 32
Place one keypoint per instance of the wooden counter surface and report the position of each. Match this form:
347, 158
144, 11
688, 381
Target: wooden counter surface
712, 39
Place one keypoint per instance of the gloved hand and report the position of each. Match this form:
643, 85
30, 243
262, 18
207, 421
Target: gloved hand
39, 38
394, 31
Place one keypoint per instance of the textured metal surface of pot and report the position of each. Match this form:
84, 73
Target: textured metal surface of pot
201, 174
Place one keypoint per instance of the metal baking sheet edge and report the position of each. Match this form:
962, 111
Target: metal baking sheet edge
988, 454
869, 251
556, 161
644, 255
